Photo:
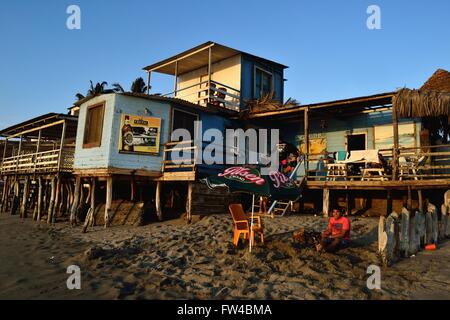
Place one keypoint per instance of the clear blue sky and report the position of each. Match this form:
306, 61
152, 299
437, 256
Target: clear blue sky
326, 44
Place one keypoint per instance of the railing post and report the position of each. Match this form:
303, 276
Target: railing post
38, 145
4, 154
61, 145
176, 79
209, 72
395, 149
18, 154
306, 140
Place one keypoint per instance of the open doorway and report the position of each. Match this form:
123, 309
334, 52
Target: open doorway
356, 141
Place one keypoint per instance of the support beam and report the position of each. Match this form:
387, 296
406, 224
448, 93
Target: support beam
159, 212
39, 199
61, 145
189, 203
57, 199
4, 193
76, 201
133, 189
209, 71
395, 150
16, 193
175, 85
4, 152
148, 82
25, 195
18, 153
326, 202
306, 139
51, 205
90, 214
38, 145
109, 196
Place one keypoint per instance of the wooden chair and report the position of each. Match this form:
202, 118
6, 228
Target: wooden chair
242, 224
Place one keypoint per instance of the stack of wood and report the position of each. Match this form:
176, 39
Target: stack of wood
307, 238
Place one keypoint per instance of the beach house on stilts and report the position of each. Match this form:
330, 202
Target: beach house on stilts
126, 141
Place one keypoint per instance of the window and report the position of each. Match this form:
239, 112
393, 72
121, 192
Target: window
93, 126
263, 83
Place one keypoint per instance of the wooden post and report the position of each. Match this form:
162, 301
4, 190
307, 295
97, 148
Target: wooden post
39, 199
57, 199
148, 82
133, 189
61, 145
4, 193
395, 150
306, 140
108, 204
4, 153
189, 203
409, 201
24, 204
51, 204
38, 144
176, 79
76, 199
209, 72
159, 212
389, 202
90, 214
16, 200
18, 153
420, 199
326, 202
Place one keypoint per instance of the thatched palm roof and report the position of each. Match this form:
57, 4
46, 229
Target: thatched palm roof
439, 81
431, 100
417, 103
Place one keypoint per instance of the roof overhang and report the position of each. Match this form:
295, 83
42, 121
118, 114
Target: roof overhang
196, 58
49, 124
364, 104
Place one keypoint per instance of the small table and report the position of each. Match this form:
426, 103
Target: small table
373, 174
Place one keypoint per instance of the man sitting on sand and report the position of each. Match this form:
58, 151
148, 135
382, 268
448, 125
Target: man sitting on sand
337, 235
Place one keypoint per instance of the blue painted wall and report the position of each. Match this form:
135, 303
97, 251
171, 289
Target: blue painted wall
248, 65
107, 155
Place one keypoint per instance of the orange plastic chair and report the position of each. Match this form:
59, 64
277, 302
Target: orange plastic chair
242, 224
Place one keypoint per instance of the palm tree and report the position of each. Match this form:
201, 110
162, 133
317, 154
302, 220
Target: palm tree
93, 90
138, 86
117, 88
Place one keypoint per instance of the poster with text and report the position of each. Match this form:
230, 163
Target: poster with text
139, 134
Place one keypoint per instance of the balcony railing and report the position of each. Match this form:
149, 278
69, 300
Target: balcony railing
40, 162
217, 94
418, 163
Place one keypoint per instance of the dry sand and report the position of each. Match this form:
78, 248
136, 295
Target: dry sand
172, 260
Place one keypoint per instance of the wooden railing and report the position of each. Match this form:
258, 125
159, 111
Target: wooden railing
217, 93
418, 163
40, 162
185, 163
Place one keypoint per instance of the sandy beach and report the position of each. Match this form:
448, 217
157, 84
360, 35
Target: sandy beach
172, 260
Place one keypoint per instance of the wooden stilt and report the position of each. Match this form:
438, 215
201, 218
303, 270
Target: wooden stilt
409, 201
57, 198
326, 202
133, 189
76, 199
108, 204
16, 199
4, 193
389, 203
25, 195
420, 200
189, 203
39, 199
51, 204
159, 212
90, 214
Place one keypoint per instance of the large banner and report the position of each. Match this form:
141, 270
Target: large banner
139, 134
